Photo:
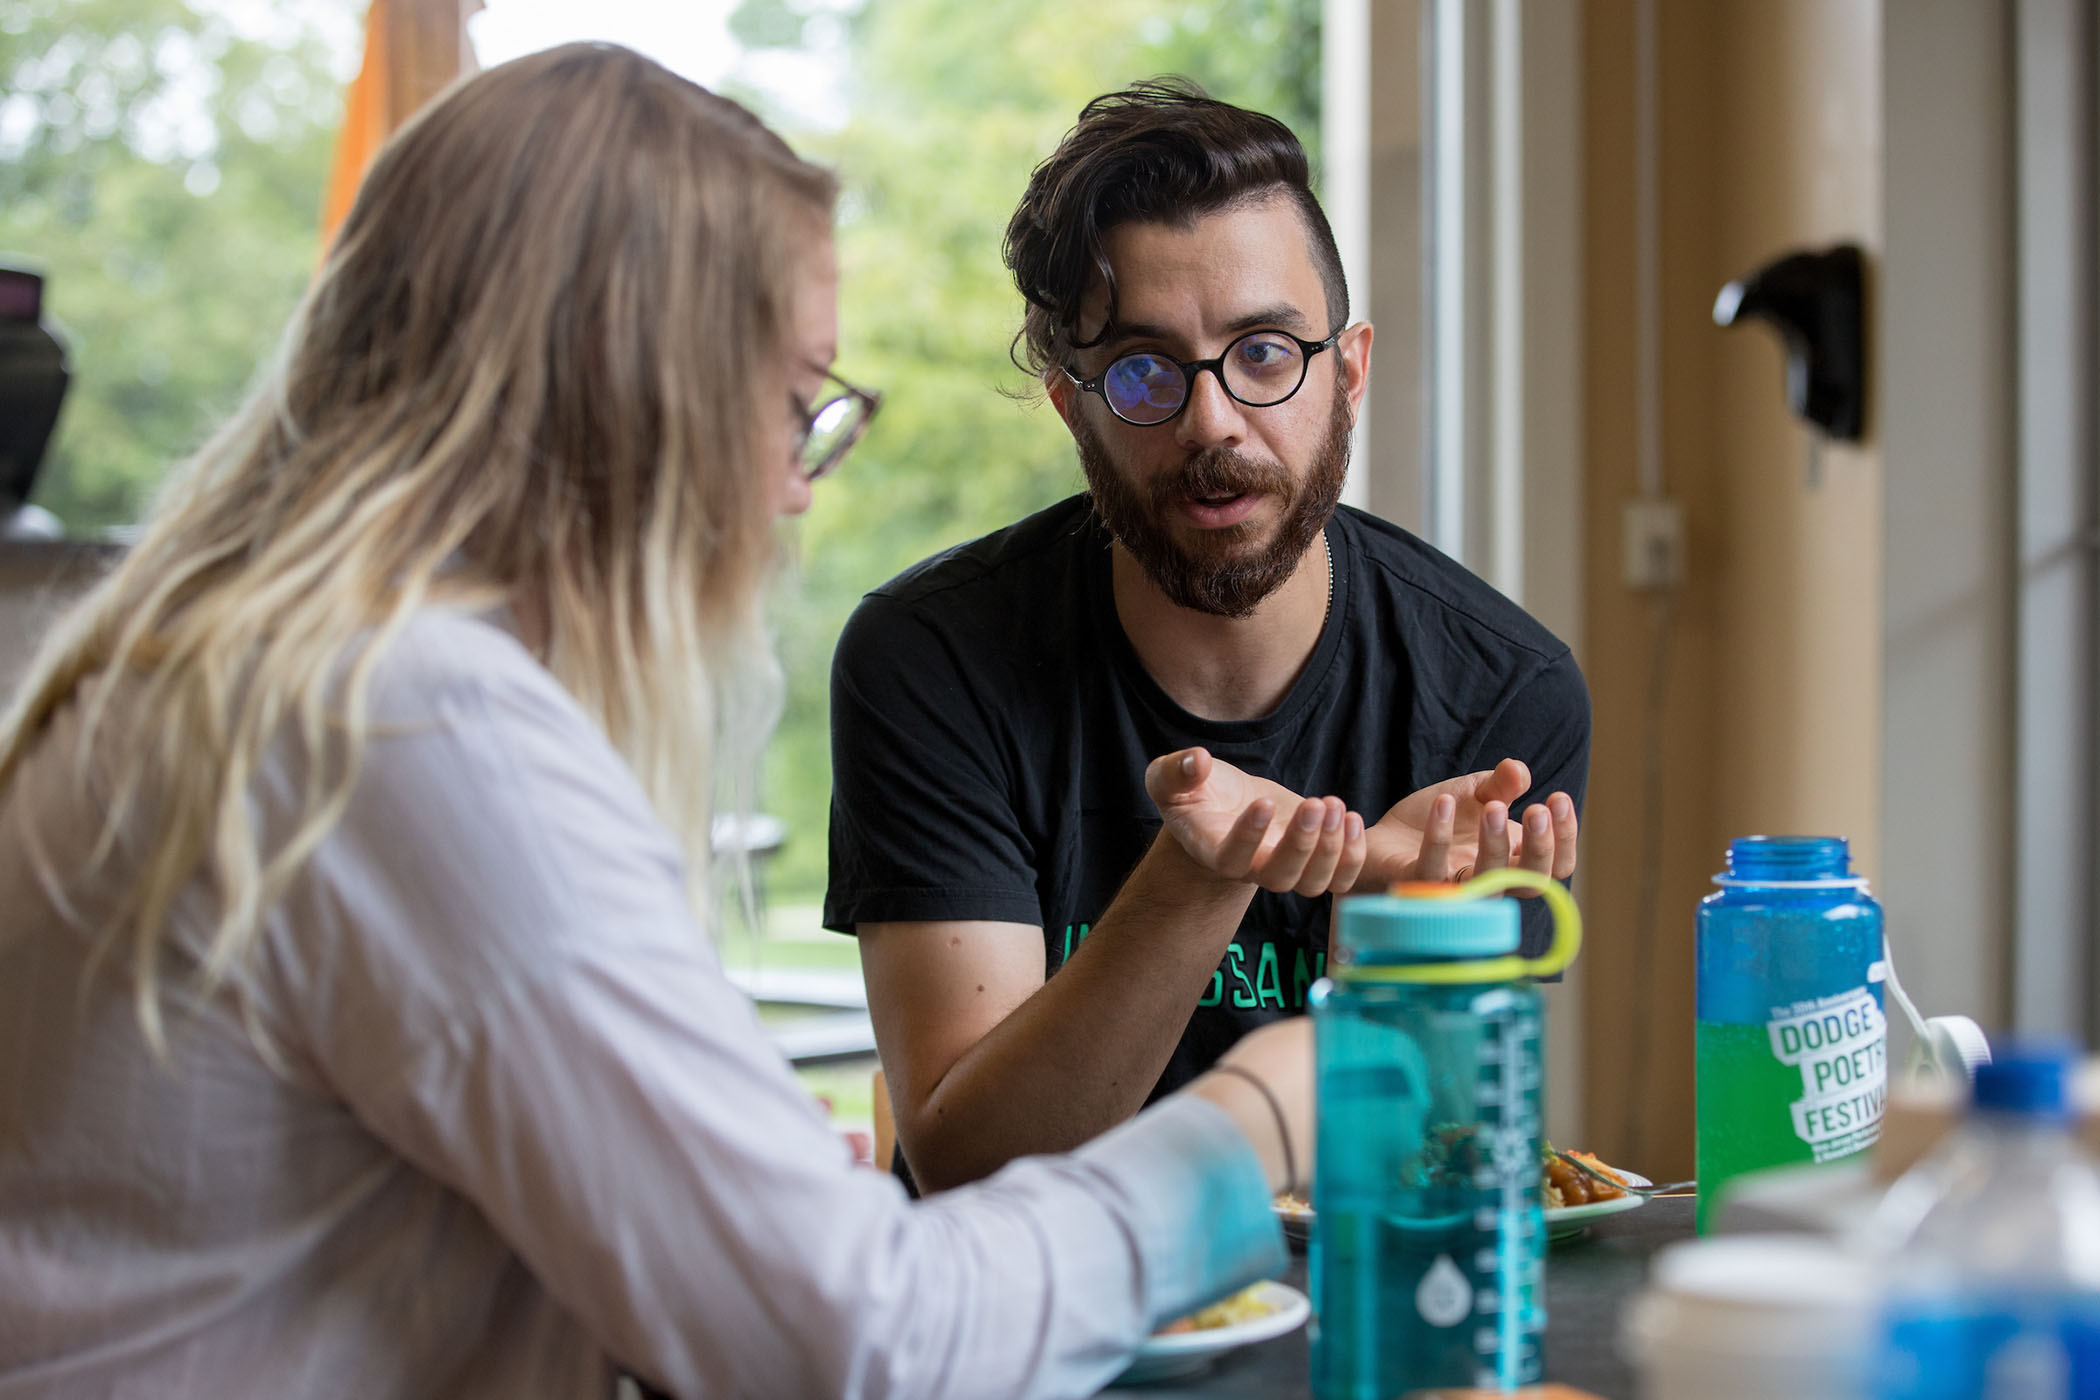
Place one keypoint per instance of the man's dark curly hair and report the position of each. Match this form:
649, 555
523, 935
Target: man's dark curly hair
1158, 151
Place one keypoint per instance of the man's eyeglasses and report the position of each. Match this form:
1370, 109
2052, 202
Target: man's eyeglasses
828, 430
1260, 369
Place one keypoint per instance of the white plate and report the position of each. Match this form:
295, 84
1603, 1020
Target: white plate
1297, 1219
1562, 1222
1566, 1222
1184, 1353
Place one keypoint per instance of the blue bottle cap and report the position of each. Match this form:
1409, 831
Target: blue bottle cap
1385, 927
2029, 1078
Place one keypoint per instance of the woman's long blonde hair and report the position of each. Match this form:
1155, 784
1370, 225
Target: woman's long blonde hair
543, 365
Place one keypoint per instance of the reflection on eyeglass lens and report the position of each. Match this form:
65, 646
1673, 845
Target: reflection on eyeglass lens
829, 430
1260, 369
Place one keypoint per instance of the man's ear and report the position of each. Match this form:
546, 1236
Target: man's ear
1063, 395
1355, 350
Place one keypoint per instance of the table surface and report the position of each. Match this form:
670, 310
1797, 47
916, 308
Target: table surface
1589, 1281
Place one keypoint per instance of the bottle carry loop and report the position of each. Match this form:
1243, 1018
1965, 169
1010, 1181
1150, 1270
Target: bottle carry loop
1567, 939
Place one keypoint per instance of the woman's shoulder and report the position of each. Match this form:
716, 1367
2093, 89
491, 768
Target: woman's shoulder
437, 644
440, 655
483, 787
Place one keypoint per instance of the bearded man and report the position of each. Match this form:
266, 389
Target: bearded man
1098, 776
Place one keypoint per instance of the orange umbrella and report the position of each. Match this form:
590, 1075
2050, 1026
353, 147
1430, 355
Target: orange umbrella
413, 49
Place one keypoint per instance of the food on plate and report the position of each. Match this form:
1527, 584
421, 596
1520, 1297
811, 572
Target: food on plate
1243, 1306
1566, 1186
1452, 1158
1561, 1185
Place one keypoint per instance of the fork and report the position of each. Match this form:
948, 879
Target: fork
1642, 1191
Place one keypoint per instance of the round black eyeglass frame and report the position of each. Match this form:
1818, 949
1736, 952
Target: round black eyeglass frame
1191, 368
831, 428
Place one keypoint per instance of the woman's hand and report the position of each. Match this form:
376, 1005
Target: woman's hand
1246, 828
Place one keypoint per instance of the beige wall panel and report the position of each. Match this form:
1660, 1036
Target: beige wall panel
1623, 1020
1797, 165
1394, 486
1769, 140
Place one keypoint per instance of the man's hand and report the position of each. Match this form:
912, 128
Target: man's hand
1249, 829
1461, 826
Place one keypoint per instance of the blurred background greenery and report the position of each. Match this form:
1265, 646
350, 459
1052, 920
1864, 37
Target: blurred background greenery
163, 161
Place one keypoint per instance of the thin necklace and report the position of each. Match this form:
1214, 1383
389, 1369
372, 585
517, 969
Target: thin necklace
1328, 550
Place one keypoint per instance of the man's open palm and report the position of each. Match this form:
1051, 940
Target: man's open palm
1451, 829
1246, 828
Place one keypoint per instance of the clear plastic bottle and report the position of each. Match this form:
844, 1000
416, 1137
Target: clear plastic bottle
1791, 1040
1992, 1249
1428, 1244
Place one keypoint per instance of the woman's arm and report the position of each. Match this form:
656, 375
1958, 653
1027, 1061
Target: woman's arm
496, 965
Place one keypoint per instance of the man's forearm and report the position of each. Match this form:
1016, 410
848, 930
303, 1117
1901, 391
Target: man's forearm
1083, 1052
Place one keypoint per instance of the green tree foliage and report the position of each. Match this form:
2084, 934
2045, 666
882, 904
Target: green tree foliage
952, 103
164, 170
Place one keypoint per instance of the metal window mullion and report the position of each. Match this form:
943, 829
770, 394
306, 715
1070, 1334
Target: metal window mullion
1460, 270
1502, 460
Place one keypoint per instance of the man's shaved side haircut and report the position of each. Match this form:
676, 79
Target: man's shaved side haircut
1159, 151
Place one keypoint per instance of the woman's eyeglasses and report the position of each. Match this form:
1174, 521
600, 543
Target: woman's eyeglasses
1260, 369
830, 428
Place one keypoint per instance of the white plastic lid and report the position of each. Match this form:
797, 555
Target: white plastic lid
1753, 1296
1958, 1046
1764, 1270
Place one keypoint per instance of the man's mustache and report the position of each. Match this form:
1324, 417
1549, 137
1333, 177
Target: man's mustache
1220, 471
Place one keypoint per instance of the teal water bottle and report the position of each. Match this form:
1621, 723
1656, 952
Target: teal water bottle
1429, 1244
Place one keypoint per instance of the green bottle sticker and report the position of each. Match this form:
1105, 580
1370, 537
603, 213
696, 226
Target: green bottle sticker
1839, 1044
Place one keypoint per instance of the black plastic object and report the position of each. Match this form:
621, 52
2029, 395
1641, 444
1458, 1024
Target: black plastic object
33, 378
1817, 301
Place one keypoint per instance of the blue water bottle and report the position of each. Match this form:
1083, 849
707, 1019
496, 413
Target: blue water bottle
1429, 1243
1791, 1042
1991, 1249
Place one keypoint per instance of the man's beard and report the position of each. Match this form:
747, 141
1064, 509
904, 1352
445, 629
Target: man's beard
1218, 576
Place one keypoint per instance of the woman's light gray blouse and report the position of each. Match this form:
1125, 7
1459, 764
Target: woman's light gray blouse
523, 1131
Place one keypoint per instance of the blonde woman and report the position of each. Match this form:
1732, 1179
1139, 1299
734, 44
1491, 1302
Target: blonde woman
356, 1034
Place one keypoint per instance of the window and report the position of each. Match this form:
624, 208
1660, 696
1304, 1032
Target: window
162, 166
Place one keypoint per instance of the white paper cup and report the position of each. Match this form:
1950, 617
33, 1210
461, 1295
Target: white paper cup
1751, 1317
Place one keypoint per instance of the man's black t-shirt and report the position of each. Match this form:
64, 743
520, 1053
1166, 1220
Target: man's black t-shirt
991, 725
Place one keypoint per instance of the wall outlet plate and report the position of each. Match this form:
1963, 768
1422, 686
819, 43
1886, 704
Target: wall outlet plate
1652, 543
